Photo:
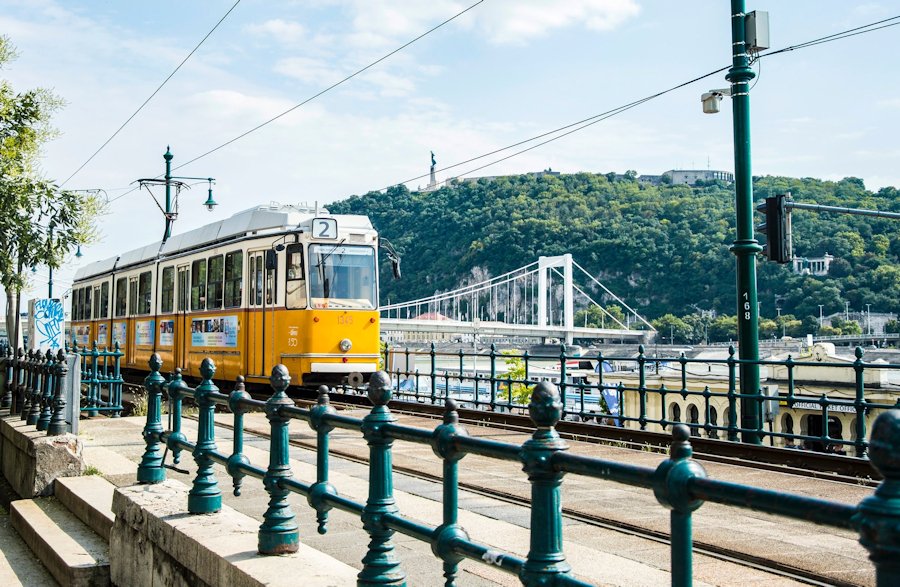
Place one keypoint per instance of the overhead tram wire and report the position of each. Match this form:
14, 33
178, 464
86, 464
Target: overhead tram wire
591, 120
331, 87
575, 126
156, 91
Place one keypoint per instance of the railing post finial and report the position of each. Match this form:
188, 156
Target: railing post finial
279, 533
381, 566
878, 516
238, 458
57, 424
449, 532
151, 470
546, 559
671, 486
321, 488
205, 496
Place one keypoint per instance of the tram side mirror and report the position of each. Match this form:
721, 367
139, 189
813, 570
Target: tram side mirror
395, 268
271, 260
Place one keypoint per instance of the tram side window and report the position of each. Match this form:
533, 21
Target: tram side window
167, 295
132, 296
295, 288
198, 284
234, 273
271, 298
104, 300
76, 304
97, 302
87, 303
145, 292
214, 275
121, 296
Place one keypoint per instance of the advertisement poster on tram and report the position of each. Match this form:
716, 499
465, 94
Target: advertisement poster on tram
216, 332
143, 332
119, 330
82, 335
166, 332
102, 339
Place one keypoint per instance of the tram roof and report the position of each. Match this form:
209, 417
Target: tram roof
273, 217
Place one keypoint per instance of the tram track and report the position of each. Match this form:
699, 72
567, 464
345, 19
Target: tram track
470, 417
840, 469
750, 561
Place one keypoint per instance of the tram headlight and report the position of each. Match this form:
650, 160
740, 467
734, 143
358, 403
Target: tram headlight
346, 345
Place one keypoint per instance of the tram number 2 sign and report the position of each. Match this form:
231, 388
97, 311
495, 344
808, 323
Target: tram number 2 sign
324, 228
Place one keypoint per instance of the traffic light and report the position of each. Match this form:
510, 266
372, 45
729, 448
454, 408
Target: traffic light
777, 228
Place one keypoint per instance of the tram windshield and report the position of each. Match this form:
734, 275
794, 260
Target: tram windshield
342, 276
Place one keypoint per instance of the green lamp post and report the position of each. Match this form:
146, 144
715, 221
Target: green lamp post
745, 247
168, 180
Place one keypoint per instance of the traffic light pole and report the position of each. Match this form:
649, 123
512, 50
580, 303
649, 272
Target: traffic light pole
745, 248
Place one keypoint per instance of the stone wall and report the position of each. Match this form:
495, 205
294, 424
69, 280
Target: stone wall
155, 542
31, 460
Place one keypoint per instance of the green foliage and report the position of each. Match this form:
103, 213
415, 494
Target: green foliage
515, 372
39, 223
664, 248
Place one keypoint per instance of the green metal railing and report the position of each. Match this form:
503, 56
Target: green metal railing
483, 381
34, 384
679, 483
101, 377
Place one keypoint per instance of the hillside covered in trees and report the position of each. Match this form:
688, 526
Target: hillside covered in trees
664, 248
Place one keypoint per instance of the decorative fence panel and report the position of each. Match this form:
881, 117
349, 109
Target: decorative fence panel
679, 483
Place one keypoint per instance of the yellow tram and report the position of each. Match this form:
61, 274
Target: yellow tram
273, 284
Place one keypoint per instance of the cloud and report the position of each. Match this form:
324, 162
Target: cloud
308, 70
378, 23
283, 31
524, 20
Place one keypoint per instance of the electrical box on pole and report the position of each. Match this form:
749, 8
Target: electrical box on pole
777, 228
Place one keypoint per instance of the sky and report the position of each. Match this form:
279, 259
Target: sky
505, 71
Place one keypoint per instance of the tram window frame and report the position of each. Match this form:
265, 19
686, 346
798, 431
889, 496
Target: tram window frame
132, 295
234, 279
145, 292
167, 290
121, 297
104, 300
295, 272
215, 276
271, 280
96, 295
86, 308
198, 285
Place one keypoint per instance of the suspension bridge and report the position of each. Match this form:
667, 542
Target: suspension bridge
539, 300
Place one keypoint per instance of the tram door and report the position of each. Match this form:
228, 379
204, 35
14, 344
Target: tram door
256, 315
182, 320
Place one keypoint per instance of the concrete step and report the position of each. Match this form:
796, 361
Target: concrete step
90, 499
73, 553
18, 565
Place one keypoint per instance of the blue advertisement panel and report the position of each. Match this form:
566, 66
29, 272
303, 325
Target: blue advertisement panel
166, 332
144, 332
214, 332
119, 330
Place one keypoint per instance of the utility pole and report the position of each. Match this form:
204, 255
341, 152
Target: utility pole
745, 247
171, 210
820, 316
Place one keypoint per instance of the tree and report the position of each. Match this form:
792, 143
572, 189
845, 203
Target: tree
39, 222
672, 328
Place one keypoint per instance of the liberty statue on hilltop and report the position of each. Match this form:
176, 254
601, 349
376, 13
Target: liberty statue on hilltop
432, 182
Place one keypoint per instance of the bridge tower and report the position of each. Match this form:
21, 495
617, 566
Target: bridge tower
544, 264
